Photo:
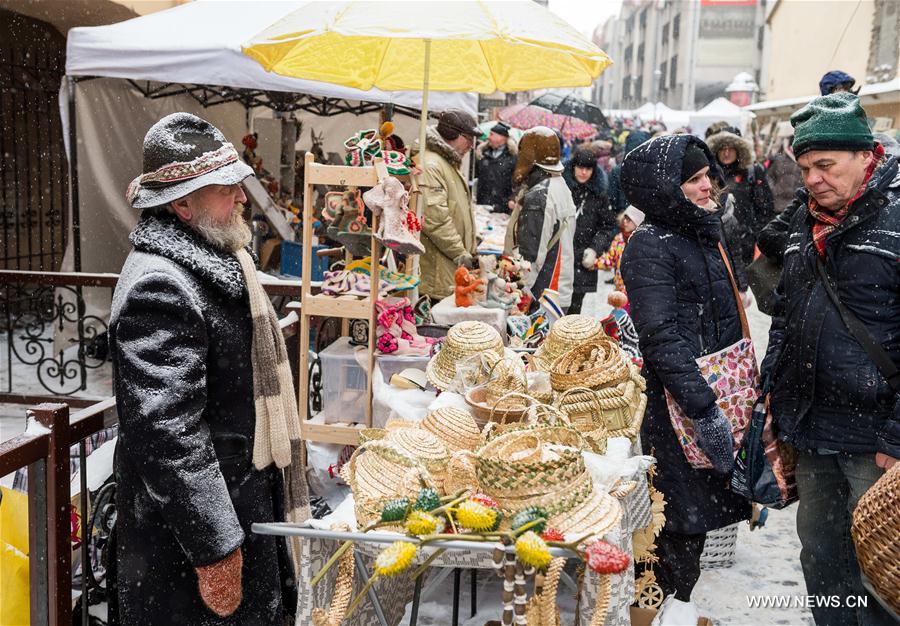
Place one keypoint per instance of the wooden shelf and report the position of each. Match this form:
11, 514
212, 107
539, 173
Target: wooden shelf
348, 307
330, 433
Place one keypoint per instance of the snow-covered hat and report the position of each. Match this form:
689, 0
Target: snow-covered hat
183, 153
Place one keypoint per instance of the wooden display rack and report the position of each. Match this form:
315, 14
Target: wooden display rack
344, 307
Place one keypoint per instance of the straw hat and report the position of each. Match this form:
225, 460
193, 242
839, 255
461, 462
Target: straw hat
568, 332
422, 446
464, 340
378, 471
455, 427
530, 467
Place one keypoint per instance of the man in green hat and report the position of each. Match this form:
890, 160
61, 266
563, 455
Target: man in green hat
834, 347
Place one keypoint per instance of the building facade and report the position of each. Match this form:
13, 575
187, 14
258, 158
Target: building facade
682, 53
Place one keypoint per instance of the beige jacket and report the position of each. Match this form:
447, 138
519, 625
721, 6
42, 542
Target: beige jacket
448, 226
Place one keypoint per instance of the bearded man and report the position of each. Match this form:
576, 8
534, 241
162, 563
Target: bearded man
206, 407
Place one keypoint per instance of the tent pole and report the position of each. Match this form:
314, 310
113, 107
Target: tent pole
73, 178
423, 121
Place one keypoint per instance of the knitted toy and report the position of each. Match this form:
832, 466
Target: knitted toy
467, 287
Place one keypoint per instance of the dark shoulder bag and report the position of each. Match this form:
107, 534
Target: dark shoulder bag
862, 335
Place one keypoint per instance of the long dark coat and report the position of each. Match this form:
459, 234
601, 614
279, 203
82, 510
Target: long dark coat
494, 171
683, 307
595, 225
187, 493
827, 391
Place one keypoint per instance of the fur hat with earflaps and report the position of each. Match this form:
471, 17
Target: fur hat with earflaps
183, 153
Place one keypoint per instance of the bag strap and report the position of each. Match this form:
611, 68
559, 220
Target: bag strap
862, 335
558, 235
745, 327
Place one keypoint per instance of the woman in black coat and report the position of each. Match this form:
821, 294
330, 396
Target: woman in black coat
683, 307
596, 223
746, 182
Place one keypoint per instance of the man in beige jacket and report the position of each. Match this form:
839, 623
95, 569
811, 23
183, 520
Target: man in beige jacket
448, 227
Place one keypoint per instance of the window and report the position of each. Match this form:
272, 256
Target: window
676, 27
673, 71
663, 76
665, 33
638, 88
644, 18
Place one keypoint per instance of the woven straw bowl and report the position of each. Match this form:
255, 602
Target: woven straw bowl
568, 331
456, 428
485, 412
463, 340
599, 363
876, 527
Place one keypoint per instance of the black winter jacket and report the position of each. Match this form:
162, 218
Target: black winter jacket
683, 307
494, 172
180, 336
826, 391
595, 225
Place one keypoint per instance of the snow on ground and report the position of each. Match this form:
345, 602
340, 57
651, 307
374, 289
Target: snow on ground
767, 559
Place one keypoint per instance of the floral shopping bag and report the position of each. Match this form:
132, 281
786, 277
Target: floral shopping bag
733, 375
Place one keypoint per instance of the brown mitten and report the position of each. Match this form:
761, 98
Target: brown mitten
220, 584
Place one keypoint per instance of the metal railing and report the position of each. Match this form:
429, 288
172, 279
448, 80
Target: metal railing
45, 449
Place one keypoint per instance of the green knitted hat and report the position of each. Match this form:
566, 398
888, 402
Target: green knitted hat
833, 122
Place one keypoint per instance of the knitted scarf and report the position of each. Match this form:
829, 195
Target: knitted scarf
827, 221
277, 420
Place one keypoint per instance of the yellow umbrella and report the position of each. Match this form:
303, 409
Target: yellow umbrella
474, 46
442, 46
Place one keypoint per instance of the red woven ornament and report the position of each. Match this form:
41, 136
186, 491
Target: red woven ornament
605, 558
485, 500
413, 223
551, 534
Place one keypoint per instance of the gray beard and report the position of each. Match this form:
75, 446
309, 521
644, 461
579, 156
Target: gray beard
230, 236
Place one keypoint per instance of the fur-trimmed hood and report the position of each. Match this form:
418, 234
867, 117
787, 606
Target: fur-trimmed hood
437, 144
169, 237
511, 145
743, 148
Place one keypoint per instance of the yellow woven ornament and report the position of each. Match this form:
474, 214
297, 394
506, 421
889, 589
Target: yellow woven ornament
533, 551
395, 559
476, 516
421, 523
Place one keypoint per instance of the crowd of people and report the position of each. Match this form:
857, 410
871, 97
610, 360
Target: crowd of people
677, 217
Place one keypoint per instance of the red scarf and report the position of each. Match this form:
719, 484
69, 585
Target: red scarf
827, 221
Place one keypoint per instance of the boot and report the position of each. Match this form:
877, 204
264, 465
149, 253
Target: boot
399, 226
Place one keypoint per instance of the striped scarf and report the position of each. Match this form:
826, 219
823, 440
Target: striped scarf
277, 419
827, 221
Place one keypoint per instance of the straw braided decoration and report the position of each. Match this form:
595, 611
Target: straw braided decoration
601, 607
548, 610
463, 340
568, 331
596, 364
343, 589
455, 427
875, 529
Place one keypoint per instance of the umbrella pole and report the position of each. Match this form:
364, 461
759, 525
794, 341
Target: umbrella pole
423, 122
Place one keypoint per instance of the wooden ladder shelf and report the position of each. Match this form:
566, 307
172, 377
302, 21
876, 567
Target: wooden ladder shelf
344, 307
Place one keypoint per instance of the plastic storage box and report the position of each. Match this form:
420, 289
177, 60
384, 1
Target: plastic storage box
390, 364
292, 260
343, 383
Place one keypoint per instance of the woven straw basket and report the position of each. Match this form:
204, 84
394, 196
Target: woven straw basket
568, 332
876, 533
506, 376
597, 364
464, 340
379, 471
584, 409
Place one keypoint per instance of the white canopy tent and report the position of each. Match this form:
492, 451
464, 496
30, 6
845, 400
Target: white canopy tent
721, 109
200, 43
672, 118
176, 60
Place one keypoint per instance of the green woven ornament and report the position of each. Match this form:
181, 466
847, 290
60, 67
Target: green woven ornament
395, 510
528, 515
428, 500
